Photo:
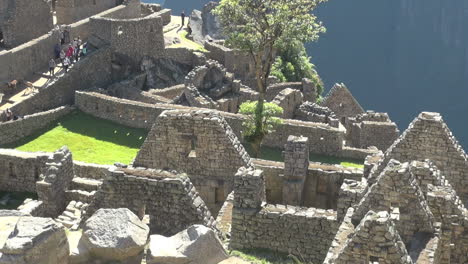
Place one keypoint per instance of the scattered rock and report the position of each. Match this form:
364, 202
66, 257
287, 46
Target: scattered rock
115, 234
35, 240
196, 245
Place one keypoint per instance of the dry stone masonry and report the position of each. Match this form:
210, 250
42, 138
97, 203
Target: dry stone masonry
407, 205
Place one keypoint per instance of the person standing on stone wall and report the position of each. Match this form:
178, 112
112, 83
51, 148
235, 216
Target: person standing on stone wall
62, 56
182, 16
66, 63
70, 53
57, 49
52, 66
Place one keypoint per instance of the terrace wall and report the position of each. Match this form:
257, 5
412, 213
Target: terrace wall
323, 139
13, 131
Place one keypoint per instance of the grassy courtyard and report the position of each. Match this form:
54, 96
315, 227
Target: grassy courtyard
90, 139
274, 154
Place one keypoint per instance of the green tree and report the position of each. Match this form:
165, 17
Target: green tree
270, 121
261, 28
292, 65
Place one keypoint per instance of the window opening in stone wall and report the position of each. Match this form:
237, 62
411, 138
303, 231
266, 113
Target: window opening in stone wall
12, 170
151, 29
36, 173
193, 147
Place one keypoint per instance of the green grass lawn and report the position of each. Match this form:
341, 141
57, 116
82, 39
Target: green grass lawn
90, 139
274, 154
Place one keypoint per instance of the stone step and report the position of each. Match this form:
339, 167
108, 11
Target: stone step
85, 184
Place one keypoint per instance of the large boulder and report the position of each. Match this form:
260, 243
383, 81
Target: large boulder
32, 240
115, 234
196, 245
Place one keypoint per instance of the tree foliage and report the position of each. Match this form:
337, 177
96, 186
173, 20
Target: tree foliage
269, 120
261, 28
292, 65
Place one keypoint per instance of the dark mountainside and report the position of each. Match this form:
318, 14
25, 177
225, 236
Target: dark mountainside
396, 56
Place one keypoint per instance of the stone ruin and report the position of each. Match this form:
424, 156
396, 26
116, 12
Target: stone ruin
193, 181
313, 112
211, 86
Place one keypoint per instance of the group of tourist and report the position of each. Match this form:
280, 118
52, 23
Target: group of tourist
68, 56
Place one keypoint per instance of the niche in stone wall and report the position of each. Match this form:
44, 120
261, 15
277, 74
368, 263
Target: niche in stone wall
119, 30
12, 170
193, 147
219, 194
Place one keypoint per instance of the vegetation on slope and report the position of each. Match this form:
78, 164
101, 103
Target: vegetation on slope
89, 139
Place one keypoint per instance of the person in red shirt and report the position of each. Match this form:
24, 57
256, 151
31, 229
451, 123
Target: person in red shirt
70, 53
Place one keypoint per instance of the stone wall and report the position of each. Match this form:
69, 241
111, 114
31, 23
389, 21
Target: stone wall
23, 61
428, 137
236, 62
323, 139
313, 112
56, 179
70, 11
199, 143
19, 170
304, 232
321, 187
25, 20
371, 129
90, 171
13, 131
296, 164
340, 100
289, 100
170, 200
93, 70
130, 39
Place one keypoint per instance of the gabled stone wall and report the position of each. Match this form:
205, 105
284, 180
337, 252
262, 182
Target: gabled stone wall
340, 100
199, 143
428, 137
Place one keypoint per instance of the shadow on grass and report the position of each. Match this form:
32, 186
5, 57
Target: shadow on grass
88, 125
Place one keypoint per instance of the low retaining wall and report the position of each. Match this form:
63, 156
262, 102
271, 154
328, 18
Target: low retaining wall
19, 170
91, 171
323, 139
13, 131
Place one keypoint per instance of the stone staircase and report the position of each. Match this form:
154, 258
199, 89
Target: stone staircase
80, 193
